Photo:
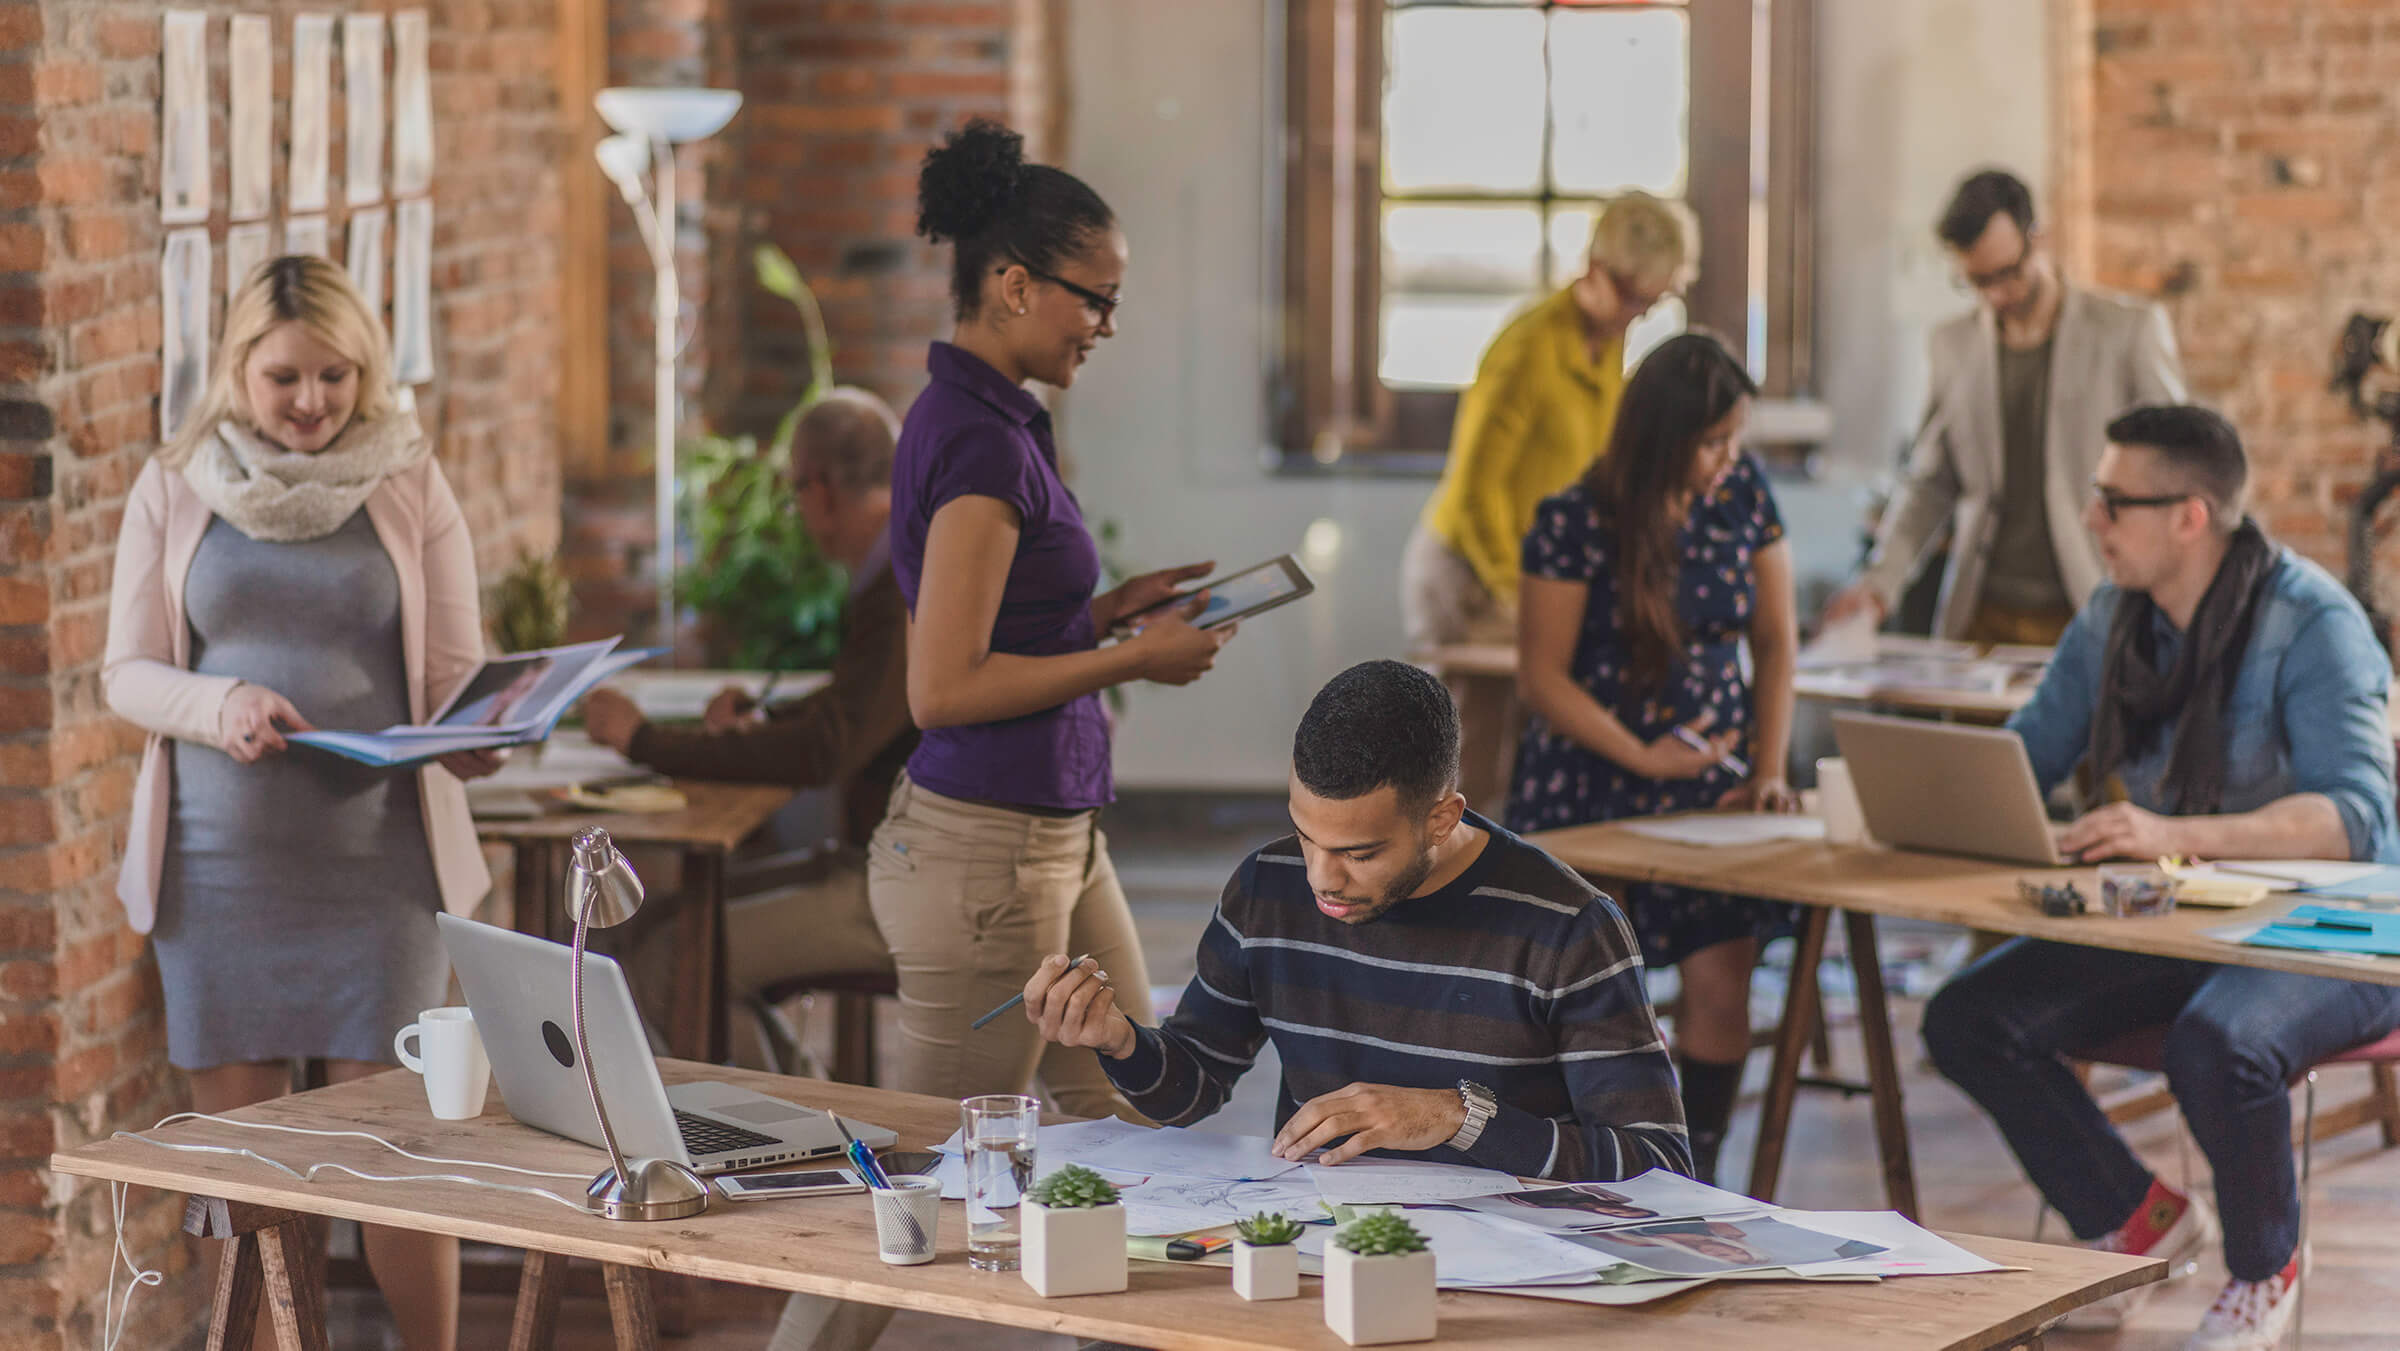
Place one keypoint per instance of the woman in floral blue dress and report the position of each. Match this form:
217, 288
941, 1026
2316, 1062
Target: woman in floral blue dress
1641, 582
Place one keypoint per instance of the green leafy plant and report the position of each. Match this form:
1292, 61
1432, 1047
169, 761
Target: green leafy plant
528, 606
1267, 1229
1073, 1187
1380, 1235
772, 598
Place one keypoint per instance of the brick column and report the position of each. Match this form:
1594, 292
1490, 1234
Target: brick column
2239, 170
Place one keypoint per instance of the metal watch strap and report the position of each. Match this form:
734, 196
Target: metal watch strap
1480, 1104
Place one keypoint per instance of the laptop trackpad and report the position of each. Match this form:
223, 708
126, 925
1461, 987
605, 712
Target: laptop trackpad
763, 1111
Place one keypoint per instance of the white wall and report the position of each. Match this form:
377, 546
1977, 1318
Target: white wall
1169, 121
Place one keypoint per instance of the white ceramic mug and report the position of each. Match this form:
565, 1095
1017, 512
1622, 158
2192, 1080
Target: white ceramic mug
451, 1059
1837, 803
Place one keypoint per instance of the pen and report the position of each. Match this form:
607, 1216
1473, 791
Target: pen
1019, 997
1730, 763
860, 1155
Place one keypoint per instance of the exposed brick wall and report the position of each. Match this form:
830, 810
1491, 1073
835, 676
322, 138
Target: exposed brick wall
2239, 168
81, 1038
840, 100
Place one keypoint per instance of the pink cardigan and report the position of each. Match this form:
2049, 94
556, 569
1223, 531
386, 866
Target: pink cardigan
147, 681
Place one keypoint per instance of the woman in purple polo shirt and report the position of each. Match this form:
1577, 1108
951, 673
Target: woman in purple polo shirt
990, 858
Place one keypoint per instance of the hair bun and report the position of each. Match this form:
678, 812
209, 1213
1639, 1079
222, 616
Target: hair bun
969, 180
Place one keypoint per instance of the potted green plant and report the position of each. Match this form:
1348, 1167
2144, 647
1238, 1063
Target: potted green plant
1266, 1265
527, 608
1073, 1235
1379, 1282
767, 596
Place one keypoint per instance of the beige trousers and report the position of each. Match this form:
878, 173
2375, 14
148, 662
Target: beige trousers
1442, 601
971, 897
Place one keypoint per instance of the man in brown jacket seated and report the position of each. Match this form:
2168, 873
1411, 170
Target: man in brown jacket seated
852, 734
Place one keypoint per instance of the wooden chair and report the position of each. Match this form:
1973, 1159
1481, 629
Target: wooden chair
854, 994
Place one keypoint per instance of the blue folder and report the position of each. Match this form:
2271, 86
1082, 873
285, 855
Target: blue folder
2322, 928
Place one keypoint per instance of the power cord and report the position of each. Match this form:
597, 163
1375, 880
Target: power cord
113, 1315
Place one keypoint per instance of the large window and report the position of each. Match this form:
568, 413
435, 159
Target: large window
1447, 159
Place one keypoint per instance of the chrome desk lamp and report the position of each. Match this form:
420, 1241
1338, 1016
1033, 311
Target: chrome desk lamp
602, 890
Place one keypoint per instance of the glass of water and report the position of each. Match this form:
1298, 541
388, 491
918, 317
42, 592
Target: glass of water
997, 1131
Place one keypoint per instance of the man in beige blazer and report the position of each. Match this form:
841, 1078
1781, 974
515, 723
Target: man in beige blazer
2022, 387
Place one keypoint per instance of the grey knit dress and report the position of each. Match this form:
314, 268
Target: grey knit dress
297, 895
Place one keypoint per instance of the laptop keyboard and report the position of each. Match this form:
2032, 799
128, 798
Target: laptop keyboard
702, 1136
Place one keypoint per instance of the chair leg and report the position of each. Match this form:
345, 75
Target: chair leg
2308, 1154
2387, 1101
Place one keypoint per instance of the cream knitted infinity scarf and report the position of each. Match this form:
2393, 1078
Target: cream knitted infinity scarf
281, 496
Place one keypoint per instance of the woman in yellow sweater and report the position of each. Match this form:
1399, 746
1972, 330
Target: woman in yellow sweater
1543, 402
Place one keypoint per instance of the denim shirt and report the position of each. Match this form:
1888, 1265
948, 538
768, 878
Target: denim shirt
2307, 714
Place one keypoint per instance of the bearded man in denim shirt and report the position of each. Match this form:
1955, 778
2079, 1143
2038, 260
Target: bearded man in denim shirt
2221, 697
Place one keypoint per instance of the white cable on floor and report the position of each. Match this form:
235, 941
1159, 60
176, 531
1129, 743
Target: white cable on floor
113, 1316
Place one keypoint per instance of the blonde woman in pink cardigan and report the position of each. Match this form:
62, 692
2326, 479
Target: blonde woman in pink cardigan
294, 558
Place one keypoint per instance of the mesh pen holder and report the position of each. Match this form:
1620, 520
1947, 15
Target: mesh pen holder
907, 1216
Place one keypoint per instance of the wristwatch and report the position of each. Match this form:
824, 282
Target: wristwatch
1481, 1103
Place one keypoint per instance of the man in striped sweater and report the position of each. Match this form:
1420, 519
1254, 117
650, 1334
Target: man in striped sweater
1436, 987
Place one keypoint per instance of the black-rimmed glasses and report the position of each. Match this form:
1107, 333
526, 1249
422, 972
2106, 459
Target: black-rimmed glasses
1103, 307
2111, 501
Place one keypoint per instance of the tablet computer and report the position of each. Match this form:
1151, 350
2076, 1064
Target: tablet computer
1238, 595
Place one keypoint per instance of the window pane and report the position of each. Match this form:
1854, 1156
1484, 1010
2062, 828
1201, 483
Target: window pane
1462, 100
1494, 250
1434, 340
1620, 100
1570, 240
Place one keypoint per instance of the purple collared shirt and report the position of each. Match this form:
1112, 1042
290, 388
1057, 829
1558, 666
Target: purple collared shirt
973, 434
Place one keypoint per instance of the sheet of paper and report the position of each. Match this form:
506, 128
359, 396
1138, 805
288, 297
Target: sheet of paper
2290, 874
1847, 642
1069, 1142
246, 246
184, 285
1476, 1250
1367, 1182
364, 258
183, 117
1908, 1249
412, 292
1706, 1247
1191, 1153
412, 105
362, 85
1724, 829
1179, 1205
1655, 1195
250, 143
312, 120
307, 234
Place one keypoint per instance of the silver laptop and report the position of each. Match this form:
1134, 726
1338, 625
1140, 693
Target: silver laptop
517, 986
1946, 788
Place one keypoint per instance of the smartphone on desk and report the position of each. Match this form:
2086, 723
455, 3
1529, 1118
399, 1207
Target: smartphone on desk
802, 1182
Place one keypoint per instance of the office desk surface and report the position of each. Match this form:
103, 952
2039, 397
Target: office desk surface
1972, 892
715, 817
827, 1245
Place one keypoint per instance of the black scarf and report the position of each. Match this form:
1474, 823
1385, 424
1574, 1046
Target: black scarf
2137, 698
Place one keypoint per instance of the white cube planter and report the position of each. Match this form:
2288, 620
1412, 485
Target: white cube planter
1370, 1301
1269, 1272
1073, 1250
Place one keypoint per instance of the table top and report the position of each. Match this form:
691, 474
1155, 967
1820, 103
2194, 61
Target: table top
827, 1245
1977, 893
1837, 686
715, 817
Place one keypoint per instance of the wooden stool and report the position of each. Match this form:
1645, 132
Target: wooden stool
854, 994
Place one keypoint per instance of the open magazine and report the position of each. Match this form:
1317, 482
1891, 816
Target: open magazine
509, 701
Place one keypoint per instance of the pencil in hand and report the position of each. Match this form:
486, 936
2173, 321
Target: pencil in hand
1019, 998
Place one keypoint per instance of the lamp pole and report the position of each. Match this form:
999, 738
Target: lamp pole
667, 318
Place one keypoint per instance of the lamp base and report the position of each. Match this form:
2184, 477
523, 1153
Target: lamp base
656, 1189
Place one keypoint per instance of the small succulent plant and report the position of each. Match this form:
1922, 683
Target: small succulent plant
1073, 1187
1383, 1234
1267, 1229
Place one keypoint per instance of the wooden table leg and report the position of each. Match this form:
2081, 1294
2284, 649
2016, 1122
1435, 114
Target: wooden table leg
1791, 1043
1883, 1066
629, 1308
535, 898
700, 1031
539, 1285
278, 1242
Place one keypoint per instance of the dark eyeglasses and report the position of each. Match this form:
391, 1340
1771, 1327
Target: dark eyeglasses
1101, 306
2111, 501
1998, 276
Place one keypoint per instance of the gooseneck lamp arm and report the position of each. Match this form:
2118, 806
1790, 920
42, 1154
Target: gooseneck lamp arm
603, 890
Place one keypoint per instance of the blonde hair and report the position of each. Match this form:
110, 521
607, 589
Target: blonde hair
1647, 238
296, 287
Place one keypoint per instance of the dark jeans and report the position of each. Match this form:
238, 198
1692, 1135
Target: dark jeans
2237, 1038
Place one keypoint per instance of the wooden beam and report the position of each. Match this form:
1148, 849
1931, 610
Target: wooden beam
583, 253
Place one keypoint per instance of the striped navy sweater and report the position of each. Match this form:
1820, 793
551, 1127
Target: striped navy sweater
1517, 975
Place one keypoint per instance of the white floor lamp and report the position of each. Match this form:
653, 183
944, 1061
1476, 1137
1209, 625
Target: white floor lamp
649, 124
